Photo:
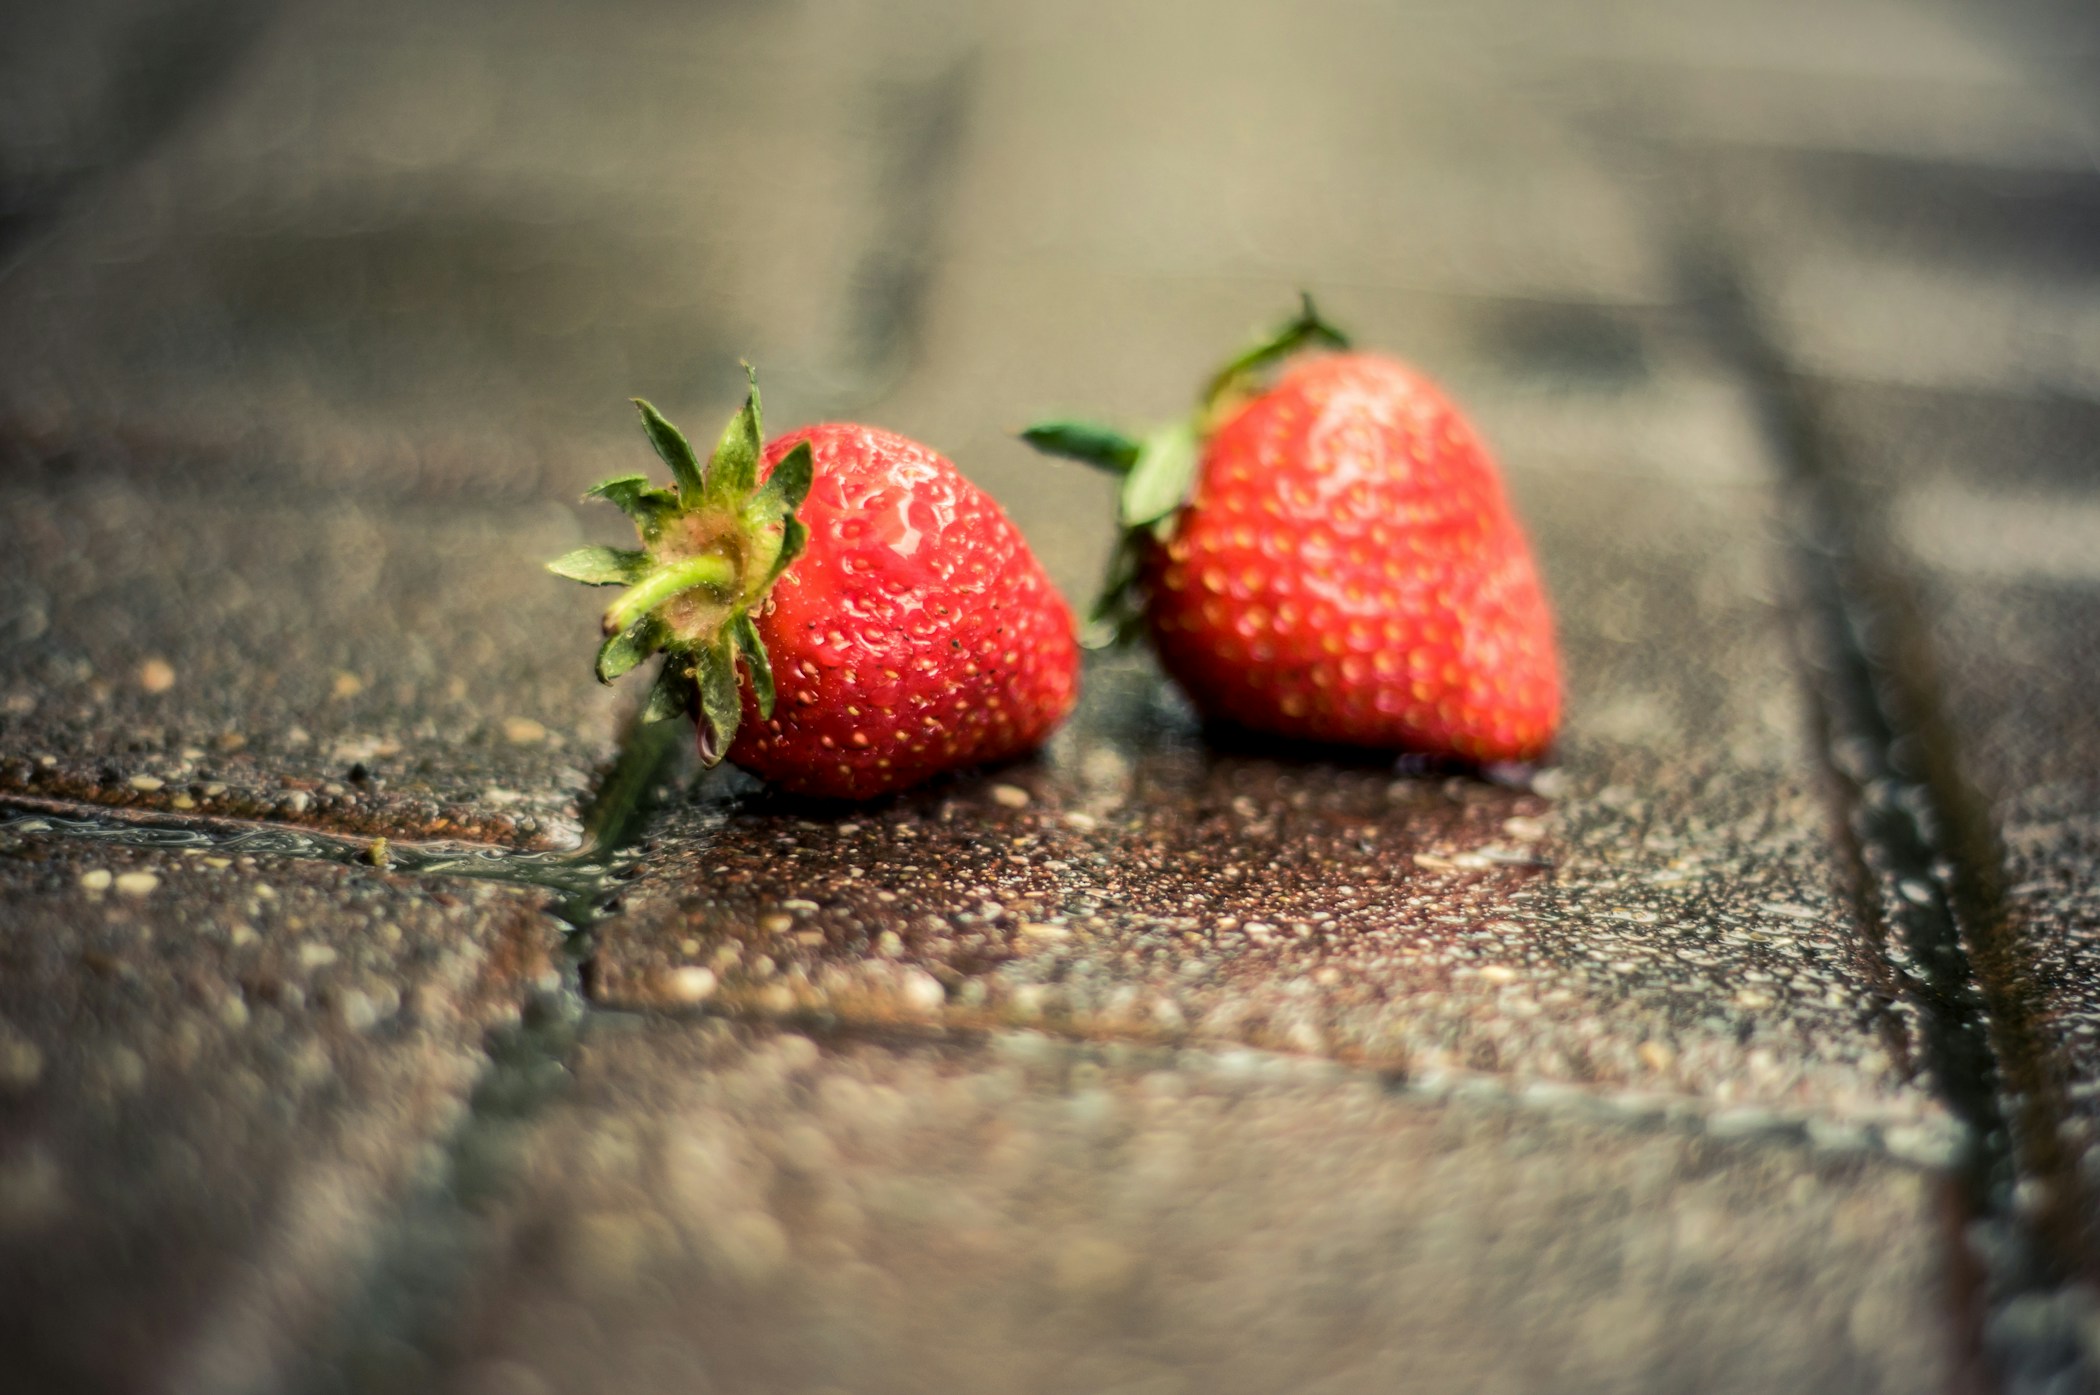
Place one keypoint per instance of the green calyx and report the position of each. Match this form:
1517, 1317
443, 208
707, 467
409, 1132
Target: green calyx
712, 545
1158, 469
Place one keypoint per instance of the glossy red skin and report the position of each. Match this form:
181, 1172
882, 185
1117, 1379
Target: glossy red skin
1349, 571
917, 634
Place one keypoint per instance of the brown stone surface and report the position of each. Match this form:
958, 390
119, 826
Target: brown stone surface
1588, 1084
724, 1210
372, 669
445, 246
1659, 916
217, 1072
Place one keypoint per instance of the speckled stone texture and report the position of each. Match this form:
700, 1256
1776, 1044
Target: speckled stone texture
374, 668
1940, 315
1155, 1062
2000, 536
213, 1072
725, 1210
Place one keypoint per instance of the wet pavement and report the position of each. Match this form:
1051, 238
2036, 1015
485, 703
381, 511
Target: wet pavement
381, 1010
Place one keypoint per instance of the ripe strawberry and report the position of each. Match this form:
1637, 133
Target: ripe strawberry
1330, 559
902, 619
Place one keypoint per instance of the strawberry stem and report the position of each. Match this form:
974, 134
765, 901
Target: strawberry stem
1303, 330
665, 582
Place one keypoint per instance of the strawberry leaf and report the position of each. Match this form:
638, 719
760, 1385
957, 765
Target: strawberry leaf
734, 468
671, 446
794, 540
757, 662
1089, 443
622, 651
676, 694
1159, 482
601, 566
712, 548
720, 710
1119, 606
633, 495
784, 489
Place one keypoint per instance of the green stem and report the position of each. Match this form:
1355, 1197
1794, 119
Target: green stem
1303, 329
665, 582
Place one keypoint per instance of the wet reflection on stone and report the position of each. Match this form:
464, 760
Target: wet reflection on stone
1139, 881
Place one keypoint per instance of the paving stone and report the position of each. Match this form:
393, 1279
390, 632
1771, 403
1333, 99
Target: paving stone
369, 669
726, 1210
2008, 600
394, 291
1406, 152
217, 1072
1660, 917
86, 86
1925, 83
1950, 377
496, 232
1942, 277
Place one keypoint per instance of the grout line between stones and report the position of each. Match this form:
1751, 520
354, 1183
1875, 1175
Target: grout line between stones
410, 1298
1926, 866
406, 1299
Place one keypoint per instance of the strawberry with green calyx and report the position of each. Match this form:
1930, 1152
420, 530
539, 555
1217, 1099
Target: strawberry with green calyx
891, 622
1330, 557
1158, 470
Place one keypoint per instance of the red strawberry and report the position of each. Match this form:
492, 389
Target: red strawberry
1331, 559
902, 620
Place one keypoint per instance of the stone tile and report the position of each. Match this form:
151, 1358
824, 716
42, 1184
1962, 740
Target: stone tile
1662, 917
1658, 913
482, 228
216, 1074
1948, 215
1934, 276
72, 102
2008, 603
726, 1210
1937, 442
368, 668
1879, 79
2007, 330
1157, 141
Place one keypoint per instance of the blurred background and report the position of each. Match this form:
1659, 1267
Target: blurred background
316, 319
435, 248
416, 259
